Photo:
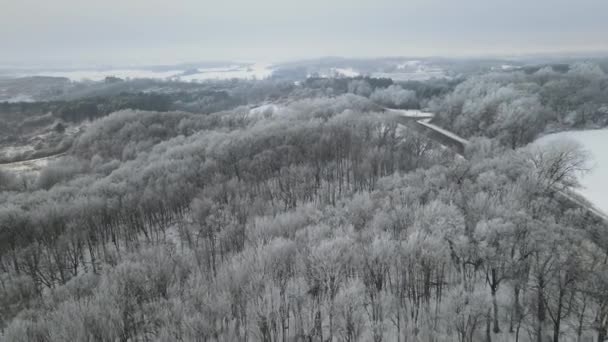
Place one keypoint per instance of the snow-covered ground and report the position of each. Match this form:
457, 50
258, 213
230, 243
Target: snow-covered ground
29, 166
413, 70
267, 109
453, 136
347, 72
16, 150
421, 74
424, 118
412, 113
409, 64
100, 75
257, 71
17, 98
243, 71
399, 71
336, 73
595, 182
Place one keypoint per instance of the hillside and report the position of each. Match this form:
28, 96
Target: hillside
273, 210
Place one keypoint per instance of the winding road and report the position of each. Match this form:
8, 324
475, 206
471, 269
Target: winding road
420, 122
30, 165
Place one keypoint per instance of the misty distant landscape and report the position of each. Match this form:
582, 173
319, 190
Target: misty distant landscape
304, 172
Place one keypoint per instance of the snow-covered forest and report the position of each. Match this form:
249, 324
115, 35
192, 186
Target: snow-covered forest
273, 210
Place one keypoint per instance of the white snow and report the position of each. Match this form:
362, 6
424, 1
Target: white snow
19, 98
425, 120
412, 113
336, 73
413, 70
100, 75
426, 123
347, 72
255, 71
244, 71
30, 166
15, 150
421, 74
408, 64
595, 182
265, 109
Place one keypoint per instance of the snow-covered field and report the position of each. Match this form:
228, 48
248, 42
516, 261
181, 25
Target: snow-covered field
595, 182
17, 98
244, 71
416, 75
406, 71
100, 75
402, 71
267, 109
409, 64
336, 73
347, 72
413, 70
257, 71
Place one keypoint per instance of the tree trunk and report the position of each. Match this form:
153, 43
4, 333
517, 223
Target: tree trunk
558, 319
496, 329
540, 313
489, 326
581, 317
331, 322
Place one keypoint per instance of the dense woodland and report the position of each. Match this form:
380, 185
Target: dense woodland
22, 123
323, 220
517, 107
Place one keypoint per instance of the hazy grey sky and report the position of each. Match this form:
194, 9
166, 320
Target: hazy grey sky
155, 31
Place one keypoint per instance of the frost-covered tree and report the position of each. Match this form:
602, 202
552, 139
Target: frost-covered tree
395, 96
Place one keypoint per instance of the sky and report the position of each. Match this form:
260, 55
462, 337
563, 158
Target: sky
144, 32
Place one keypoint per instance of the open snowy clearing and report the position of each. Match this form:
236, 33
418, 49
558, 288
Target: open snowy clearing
263, 110
595, 182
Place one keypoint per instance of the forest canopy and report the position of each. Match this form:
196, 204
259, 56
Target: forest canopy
194, 215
